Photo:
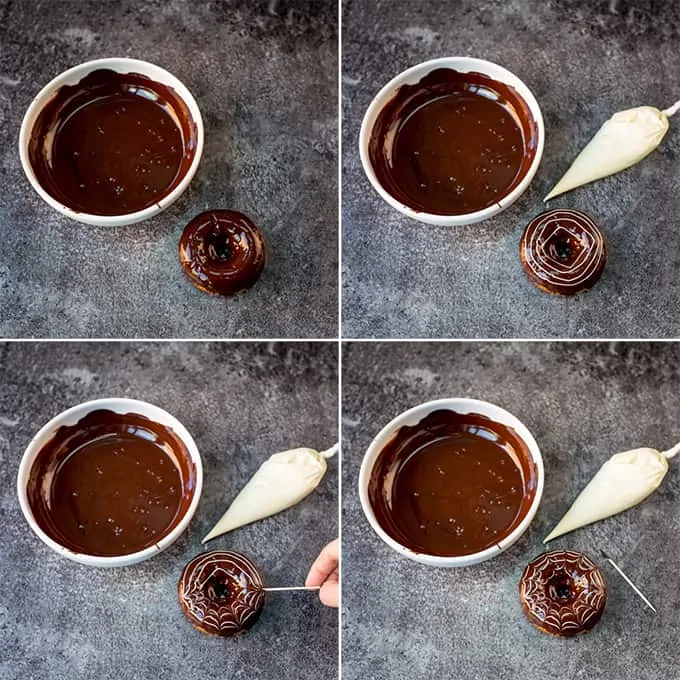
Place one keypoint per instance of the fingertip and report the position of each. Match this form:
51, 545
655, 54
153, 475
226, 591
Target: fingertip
329, 595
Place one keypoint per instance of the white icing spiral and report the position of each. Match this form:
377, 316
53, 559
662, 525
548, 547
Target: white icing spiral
564, 250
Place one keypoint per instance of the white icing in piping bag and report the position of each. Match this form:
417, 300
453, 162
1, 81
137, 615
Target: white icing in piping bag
281, 482
624, 140
625, 480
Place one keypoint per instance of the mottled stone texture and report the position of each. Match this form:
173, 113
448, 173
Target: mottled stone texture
264, 74
584, 61
583, 403
241, 403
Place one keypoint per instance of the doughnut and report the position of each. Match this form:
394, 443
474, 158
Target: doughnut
222, 252
563, 252
221, 593
563, 593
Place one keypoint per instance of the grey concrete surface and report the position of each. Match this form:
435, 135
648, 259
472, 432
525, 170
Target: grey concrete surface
60, 620
584, 61
264, 74
583, 403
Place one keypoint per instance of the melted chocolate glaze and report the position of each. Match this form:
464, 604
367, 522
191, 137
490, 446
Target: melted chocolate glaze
563, 593
563, 252
453, 143
113, 144
112, 484
222, 252
454, 484
221, 593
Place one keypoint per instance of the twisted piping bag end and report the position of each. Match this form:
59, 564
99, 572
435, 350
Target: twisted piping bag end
676, 449
329, 453
672, 110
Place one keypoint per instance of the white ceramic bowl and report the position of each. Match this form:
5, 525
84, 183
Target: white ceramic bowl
414, 75
71, 417
72, 77
413, 417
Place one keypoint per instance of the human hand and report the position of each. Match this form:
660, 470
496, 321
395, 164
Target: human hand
324, 573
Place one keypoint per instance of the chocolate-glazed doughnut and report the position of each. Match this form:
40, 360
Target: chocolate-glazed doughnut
563, 593
222, 252
563, 252
221, 593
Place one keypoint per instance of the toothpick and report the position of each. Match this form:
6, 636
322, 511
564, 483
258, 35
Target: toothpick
272, 590
628, 581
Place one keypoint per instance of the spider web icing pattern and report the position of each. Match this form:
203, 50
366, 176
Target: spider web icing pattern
245, 585
582, 611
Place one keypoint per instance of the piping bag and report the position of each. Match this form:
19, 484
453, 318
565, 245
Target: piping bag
624, 140
281, 482
625, 480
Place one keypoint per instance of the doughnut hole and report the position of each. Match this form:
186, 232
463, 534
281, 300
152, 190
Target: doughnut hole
218, 588
562, 588
218, 247
565, 246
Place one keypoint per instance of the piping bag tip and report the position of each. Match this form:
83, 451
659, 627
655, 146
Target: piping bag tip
211, 535
221, 529
556, 191
557, 531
